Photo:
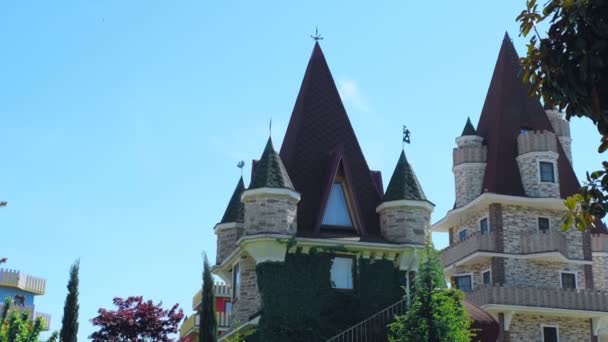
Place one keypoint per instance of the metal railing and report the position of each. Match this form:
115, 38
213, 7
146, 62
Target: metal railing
599, 243
374, 328
221, 290
568, 299
473, 243
13, 278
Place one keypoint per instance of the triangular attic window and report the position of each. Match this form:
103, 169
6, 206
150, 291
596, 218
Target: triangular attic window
337, 214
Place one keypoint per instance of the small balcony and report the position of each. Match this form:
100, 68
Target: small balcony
529, 243
599, 243
537, 299
33, 314
191, 324
221, 290
22, 281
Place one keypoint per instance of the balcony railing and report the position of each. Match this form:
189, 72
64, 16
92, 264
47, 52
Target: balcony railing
192, 323
221, 290
599, 243
585, 300
22, 281
33, 314
475, 242
529, 243
544, 242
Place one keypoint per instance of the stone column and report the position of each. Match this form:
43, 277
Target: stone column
249, 301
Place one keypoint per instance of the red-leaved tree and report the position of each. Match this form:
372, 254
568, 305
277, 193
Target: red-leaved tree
136, 320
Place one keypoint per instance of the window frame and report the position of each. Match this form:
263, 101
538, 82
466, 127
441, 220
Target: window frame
488, 270
540, 177
236, 290
458, 275
459, 231
542, 330
561, 283
487, 218
352, 273
538, 218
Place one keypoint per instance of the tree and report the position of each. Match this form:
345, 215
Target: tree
208, 322
437, 313
16, 326
136, 320
69, 323
568, 68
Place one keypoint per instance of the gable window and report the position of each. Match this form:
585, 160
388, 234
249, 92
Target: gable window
547, 172
341, 273
543, 225
236, 282
550, 333
483, 225
568, 280
486, 277
336, 211
462, 234
464, 282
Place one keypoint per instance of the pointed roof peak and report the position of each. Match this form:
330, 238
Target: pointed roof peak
404, 184
270, 171
235, 211
469, 129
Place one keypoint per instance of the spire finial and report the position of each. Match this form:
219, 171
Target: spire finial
406, 137
270, 128
240, 166
316, 37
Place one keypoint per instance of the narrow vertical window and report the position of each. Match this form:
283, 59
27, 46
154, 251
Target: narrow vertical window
483, 225
236, 282
337, 214
341, 273
462, 235
568, 280
543, 225
550, 334
547, 172
487, 277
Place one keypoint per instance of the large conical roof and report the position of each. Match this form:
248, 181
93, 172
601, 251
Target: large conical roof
319, 129
269, 171
235, 209
404, 184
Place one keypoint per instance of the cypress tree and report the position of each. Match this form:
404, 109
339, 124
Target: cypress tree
208, 321
69, 324
437, 313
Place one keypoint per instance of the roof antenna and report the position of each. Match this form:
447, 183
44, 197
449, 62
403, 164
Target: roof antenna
316, 37
240, 166
406, 137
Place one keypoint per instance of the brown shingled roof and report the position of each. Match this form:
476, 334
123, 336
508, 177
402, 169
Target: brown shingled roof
319, 131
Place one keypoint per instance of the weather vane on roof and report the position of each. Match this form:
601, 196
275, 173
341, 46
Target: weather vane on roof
240, 166
316, 37
406, 136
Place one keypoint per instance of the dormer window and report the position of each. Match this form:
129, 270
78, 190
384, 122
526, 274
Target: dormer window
337, 214
547, 172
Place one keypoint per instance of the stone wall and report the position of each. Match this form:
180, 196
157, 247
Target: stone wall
249, 301
226, 241
600, 271
468, 179
527, 328
404, 224
476, 270
270, 214
530, 178
470, 221
540, 274
520, 221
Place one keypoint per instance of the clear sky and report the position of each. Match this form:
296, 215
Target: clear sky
121, 122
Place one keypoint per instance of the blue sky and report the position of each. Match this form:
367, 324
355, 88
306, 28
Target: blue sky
121, 122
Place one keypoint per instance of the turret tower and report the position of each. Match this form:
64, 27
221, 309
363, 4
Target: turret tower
469, 165
561, 127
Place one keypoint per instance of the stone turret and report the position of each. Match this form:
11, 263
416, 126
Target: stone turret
537, 161
271, 200
405, 212
230, 228
561, 127
469, 165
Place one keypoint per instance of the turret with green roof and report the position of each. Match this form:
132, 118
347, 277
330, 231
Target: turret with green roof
230, 228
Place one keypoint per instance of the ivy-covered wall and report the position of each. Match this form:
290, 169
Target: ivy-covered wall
299, 304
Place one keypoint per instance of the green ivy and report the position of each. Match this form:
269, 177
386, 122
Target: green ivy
299, 303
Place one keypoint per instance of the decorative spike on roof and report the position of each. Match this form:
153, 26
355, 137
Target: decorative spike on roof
404, 184
235, 211
270, 171
468, 129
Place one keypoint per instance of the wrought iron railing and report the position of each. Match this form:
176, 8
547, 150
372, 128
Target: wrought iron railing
374, 328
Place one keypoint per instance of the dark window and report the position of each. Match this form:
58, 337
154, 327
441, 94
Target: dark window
487, 277
236, 282
19, 300
550, 334
483, 225
546, 172
462, 234
543, 224
463, 283
568, 281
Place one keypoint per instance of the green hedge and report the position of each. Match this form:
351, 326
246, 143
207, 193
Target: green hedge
299, 303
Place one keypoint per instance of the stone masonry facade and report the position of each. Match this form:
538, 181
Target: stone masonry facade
249, 301
600, 271
468, 179
404, 224
528, 328
529, 170
226, 241
270, 214
540, 274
